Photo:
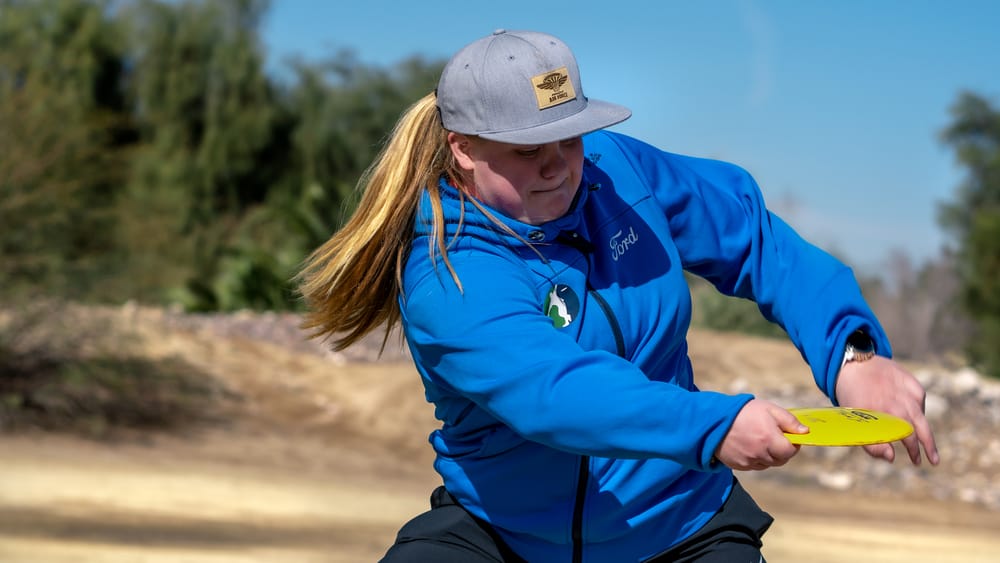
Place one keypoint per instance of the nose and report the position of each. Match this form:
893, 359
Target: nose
554, 161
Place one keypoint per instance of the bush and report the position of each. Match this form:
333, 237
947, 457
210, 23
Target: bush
62, 370
715, 311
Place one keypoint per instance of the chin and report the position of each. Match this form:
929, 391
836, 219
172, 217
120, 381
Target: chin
545, 218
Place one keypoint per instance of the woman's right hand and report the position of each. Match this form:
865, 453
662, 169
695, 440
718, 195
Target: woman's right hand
757, 439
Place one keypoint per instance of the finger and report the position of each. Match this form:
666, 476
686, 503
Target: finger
781, 451
881, 451
751, 465
787, 421
780, 460
925, 437
912, 445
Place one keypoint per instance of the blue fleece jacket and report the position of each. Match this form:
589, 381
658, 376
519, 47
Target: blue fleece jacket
570, 416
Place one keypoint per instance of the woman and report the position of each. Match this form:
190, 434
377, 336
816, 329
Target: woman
536, 265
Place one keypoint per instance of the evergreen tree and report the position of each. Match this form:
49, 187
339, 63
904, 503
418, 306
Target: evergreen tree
62, 139
145, 153
205, 114
344, 111
973, 220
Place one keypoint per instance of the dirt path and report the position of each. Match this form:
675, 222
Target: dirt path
68, 500
821, 526
65, 500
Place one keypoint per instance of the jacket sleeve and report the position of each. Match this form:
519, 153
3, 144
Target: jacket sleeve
725, 234
491, 343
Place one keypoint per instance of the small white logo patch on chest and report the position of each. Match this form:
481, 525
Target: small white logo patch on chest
621, 242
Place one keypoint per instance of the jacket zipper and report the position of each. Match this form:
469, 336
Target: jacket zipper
582, 478
574, 240
581, 495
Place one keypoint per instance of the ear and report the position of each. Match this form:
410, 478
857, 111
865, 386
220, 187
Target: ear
461, 149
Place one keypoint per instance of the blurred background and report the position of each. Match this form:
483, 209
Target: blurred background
177, 160
190, 154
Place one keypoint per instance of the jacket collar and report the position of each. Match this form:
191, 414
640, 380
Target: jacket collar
475, 223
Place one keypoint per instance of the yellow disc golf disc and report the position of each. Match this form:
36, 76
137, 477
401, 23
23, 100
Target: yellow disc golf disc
843, 426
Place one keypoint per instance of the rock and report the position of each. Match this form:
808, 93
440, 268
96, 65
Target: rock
838, 481
965, 382
968, 495
927, 377
739, 385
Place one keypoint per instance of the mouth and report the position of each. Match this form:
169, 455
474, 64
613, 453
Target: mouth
555, 188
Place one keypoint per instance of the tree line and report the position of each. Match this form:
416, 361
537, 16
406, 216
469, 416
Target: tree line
147, 153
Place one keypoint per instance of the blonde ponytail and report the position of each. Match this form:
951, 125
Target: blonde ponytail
351, 283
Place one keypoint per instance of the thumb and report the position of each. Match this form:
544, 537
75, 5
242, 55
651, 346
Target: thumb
787, 421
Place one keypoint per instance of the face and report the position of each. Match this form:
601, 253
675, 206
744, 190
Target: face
531, 183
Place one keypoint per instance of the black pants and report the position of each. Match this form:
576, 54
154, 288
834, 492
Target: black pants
731, 536
447, 533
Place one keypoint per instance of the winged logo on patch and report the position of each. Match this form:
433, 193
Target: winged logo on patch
553, 81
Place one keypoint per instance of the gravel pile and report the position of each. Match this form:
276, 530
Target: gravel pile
283, 329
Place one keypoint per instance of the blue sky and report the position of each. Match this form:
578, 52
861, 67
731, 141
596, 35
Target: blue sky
835, 107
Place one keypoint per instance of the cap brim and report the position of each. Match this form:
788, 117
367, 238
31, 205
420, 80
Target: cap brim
597, 115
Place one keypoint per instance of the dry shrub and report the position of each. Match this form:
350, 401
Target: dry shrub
65, 368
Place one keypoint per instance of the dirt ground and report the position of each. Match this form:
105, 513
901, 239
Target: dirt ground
319, 461
66, 500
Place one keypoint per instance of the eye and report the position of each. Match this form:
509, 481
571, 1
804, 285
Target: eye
571, 142
528, 151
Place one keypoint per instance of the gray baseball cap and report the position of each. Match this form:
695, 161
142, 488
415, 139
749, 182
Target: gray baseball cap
519, 87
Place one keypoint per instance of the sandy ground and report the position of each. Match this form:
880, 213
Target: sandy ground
66, 500
320, 462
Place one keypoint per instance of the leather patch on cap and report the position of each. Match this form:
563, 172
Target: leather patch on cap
553, 88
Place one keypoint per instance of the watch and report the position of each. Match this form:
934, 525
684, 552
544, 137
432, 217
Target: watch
859, 347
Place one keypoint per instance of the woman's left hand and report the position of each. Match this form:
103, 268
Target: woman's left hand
883, 385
